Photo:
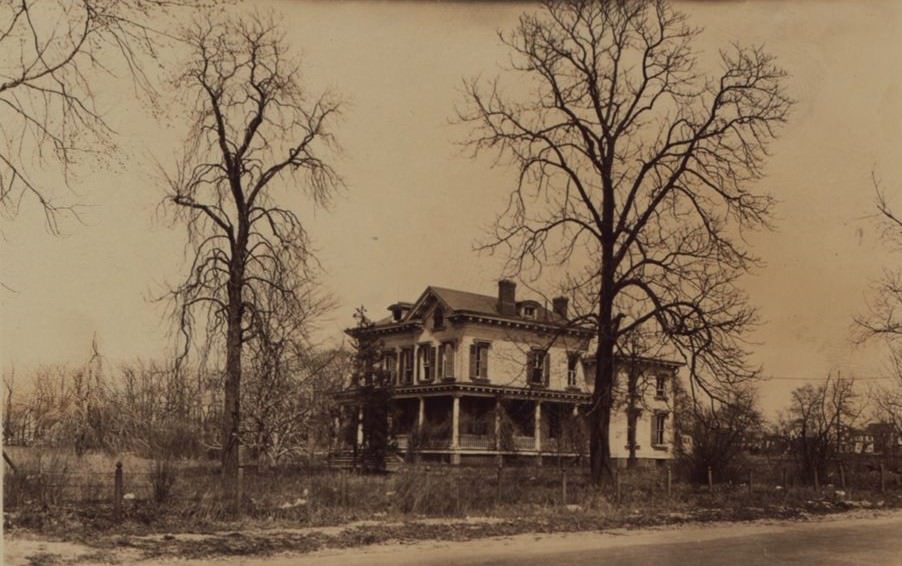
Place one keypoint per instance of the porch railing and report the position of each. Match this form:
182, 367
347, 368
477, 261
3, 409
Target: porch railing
477, 442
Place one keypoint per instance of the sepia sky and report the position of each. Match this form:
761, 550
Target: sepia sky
415, 206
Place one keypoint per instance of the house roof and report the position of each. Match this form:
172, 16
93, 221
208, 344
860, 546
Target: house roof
464, 303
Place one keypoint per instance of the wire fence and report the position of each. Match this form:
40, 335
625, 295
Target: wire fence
436, 489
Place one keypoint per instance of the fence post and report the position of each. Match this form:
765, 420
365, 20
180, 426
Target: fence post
498, 483
842, 475
457, 488
617, 482
563, 486
817, 482
117, 492
710, 480
882, 478
669, 481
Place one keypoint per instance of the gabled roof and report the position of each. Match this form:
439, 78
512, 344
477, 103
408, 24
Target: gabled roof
465, 303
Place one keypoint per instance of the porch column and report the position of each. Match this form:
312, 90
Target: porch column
359, 426
497, 424
538, 426
455, 430
421, 415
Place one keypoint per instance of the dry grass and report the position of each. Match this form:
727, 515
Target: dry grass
416, 503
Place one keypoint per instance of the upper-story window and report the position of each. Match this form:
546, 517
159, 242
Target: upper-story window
406, 370
426, 362
390, 365
479, 360
446, 360
661, 387
537, 367
529, 311
438, 318
572, 363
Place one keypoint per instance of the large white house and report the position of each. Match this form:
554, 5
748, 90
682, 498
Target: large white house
476, 376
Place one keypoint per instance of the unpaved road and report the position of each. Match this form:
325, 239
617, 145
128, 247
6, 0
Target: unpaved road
864, 538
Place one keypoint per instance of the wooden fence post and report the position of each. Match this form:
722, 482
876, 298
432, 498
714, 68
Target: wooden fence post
882, 478
457, 489
669, 481
117, 492
498, 483
842, 475
710, 480
563, 486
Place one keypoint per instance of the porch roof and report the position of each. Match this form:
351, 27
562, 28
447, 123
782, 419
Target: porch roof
478, 390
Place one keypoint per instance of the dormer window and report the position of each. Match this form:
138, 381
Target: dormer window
438, 318
529, 311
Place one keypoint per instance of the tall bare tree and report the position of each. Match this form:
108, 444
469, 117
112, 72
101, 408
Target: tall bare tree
820, 419
635, 172
254, 128
52, 53
883, 319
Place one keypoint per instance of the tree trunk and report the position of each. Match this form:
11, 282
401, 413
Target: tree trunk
232, 408
600, 446
632, 414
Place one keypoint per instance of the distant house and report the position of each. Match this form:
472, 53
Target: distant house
477, 376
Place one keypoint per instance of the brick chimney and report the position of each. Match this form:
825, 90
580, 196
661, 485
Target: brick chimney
559, 306
507, 297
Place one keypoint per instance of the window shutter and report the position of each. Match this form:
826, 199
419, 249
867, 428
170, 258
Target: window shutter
547, 369
484, 360
530, 366
473, 354
449, 360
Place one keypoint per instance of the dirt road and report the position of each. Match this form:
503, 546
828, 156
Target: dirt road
872, 539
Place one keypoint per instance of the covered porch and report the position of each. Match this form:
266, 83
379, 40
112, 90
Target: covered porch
462, 420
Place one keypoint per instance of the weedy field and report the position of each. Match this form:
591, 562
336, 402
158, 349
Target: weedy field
175, 508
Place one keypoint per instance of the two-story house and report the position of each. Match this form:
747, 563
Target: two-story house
477, 376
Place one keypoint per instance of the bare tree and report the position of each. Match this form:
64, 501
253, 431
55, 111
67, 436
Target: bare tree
634, 174
51, 54
254, 127
820, 418
883, 319
719, 431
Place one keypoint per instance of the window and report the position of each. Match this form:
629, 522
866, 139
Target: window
661, 387
438, 318
572, 361
390, 365
529, 312
426, 362
659, 427
446, 360
479, 360
537, 367
407, 366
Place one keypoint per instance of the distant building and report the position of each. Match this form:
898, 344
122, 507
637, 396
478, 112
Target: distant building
476, 376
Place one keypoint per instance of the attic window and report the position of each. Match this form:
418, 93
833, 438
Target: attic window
438, 318
529, 311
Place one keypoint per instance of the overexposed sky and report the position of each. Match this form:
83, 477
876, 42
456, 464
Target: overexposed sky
415, 206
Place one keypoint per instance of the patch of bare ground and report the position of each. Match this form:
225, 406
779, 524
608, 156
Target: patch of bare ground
250, 539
